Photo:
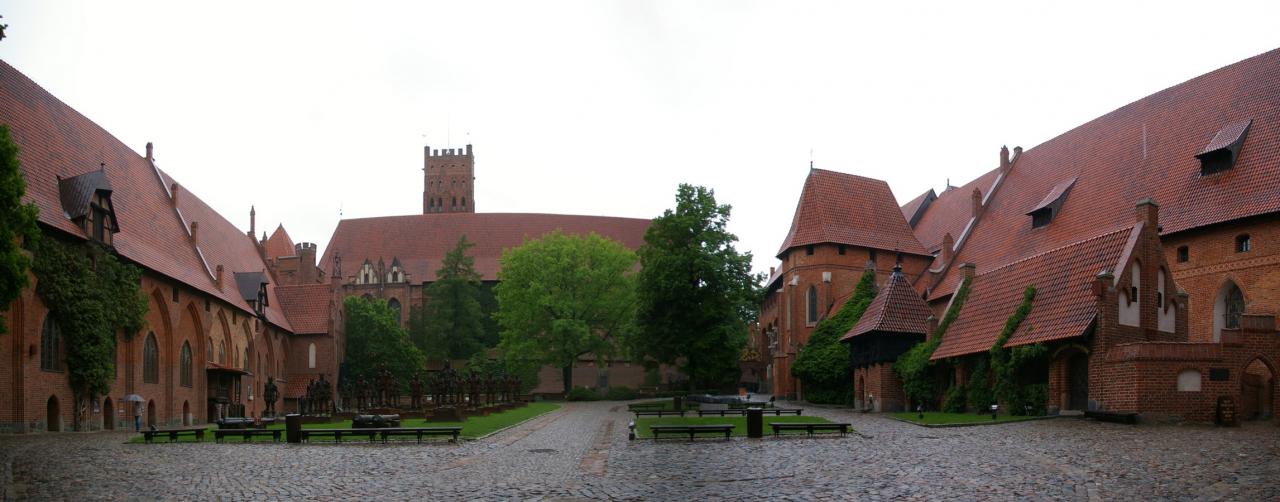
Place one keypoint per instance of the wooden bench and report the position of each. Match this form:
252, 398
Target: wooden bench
809, 427
421, 431
691, 430
767, 411
658, 413
246, 434
337, 434
173, 434
1112, 416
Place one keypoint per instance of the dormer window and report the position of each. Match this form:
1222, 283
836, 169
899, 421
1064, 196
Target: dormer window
1049, 207
86, 200
253, 289
1223, 150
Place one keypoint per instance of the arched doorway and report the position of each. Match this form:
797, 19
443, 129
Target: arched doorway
186, 413
1257, 389
108, 415
151, 413
53, 415
1078, 382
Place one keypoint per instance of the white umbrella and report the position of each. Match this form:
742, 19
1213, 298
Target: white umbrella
133, 398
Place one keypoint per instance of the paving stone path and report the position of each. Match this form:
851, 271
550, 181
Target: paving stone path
581, 452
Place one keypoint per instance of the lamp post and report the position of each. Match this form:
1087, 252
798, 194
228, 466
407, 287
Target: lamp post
994, 408
920, 410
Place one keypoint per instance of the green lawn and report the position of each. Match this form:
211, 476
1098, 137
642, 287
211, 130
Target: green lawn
472, 427
642, 424
941, 418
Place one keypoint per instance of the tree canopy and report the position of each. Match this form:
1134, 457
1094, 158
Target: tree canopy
374, 339
17, 224
563, 296
696, 291
450, 323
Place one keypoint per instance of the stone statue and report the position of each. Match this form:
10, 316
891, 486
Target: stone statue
415, 392
269, 395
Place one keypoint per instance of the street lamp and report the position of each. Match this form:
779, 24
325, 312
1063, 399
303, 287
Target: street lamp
994, 408
920, 410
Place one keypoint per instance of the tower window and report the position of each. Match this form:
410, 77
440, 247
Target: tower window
1243, 245
840, 249
871, 255
1184, 254
808, 250
812, 302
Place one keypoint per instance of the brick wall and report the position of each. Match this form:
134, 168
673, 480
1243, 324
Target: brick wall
1213, 260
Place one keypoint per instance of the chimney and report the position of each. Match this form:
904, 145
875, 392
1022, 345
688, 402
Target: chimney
976, 208
1101, 282
771, 270
150, 149
217, 277
253, 218
932, 326
948, 247
195, 227
173, 195
1017, 152
1004, 159
1149, 213
967, 270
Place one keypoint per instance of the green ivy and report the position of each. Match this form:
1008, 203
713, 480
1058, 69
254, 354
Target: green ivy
17, 224
914, 366
955, 400
1003, 366
980, 394
823, 363
92, 296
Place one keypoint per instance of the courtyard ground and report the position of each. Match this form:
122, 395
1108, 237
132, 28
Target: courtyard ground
581, 452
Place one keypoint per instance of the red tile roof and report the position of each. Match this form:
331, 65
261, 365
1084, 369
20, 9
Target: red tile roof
307, 306
279, 244
296, 385
950, 212
897, 308
1063, 307
847, 209
1144, 149
420, 241
1227, 136
56, 140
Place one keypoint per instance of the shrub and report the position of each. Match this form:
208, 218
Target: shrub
955, 400
1033, 396
582, 394
620, 394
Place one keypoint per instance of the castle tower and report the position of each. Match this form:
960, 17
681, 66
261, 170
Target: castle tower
449, 178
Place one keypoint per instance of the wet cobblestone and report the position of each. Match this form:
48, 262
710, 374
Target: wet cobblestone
576, 454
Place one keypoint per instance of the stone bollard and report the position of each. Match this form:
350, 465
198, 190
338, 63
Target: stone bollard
293, 428
755, 423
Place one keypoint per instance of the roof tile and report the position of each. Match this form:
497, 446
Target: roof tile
847, 209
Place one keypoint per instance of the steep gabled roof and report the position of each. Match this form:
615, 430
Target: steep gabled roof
950, 212
420, 241
57, 141
1146, 149
915, 209
279, 244
307, 307
843, 208
1063, 307
897, 308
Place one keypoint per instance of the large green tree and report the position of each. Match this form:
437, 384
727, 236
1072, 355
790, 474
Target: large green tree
374, 339
17, 224
450, 323
563, 296
696, 291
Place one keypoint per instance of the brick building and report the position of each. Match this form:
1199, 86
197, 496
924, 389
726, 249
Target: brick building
216, 325
1151, 235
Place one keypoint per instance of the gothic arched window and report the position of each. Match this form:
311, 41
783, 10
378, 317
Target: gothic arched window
151, 360
184, 365
812, 305
50, 345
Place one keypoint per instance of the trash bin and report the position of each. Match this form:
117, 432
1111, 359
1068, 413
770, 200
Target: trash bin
755, 422
293, 428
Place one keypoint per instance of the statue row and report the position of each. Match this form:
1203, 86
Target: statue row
445, 388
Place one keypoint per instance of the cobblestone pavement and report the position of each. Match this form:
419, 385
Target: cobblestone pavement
581, 452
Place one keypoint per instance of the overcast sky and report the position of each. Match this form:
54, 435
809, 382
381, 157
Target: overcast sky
306, 109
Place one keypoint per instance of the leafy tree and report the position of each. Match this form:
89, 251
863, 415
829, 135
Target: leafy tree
696, 291
91, 296
374, 338
823, 362
17, 224
450, 324
563, 296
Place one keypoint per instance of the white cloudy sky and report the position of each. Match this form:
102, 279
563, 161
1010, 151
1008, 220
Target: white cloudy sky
306, 108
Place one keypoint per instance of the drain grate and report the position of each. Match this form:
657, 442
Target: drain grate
542, 450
